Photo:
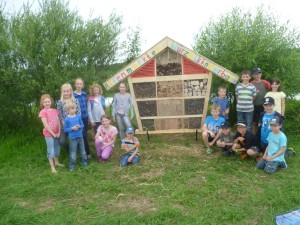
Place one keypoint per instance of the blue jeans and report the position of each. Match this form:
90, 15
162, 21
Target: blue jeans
53, 148
63, 139
125, 157
271, 166
120, 120
75, 144
246, 117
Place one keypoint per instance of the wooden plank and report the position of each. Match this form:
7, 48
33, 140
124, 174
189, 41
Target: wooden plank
206, 101
170, 98
167, 117
171, 78
174, 131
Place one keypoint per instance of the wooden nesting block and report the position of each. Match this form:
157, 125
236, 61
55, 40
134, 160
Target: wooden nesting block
169, 89
168, 69
144, 90
195, 87
148, 124
170, 107
168, 124
147, 108
192, 123
193, 106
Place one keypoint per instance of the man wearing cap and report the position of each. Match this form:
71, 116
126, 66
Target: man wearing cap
274, 154
261, 89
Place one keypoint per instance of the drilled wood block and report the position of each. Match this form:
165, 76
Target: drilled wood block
144, 90
168, 69
169, 89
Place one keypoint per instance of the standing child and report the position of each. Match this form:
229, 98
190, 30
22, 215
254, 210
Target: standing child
278, 96
122, 103
245, 142
131, 145
80, 95
274, 154
51, 131
245, 94
225, 141
96, 107
74, 126
211, 127
105, 139
223, 102
66, 97
261, 89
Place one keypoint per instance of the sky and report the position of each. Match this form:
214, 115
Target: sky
179, 20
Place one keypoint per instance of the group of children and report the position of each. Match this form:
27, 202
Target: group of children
259, 122
71, 118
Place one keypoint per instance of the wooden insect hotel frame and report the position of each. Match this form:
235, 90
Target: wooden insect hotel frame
170, 87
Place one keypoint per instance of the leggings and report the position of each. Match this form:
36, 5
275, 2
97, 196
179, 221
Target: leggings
105, 153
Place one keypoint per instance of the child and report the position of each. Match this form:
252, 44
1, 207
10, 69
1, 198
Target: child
225, 141
261, 89
51, 130
223, 102
211, 127
80, 95
278, 96
74, 126
105, 139
274, 154
66, 97
121, 104
96, 107
131, 145
245, 142
264, 122
245, 94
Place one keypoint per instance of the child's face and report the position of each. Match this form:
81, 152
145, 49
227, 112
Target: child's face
79, 85
122, 88
275, 86
225, 130
215, 113
257, 76
47, 103
269, 108
105, 122
96, 91
129, 135
241, 129
66, 93
275, 128
246, 78
222, 93
72, 111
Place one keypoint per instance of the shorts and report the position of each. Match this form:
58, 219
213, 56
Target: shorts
254, 148
210, 138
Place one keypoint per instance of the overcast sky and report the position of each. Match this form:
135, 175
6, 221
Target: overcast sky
180, 20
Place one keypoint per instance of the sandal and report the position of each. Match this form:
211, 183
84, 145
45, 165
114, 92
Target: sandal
53, 170
60, 165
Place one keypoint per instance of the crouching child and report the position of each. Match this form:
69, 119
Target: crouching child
225, 141
131, 145
274, 154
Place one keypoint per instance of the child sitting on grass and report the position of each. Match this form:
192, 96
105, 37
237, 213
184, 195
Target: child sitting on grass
274, 154
245, 143
225, 141
131, 145
211, 127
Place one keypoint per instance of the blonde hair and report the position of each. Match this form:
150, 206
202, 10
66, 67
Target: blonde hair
78, 78
67, 85
95, 86
215, 107
70, 105
222, 87
43, 97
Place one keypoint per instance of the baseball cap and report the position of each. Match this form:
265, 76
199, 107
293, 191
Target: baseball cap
129, 130
256, 70
269, 101
275, 121
225, 125
241, 123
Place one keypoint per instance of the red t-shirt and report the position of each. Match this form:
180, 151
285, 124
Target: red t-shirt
51, 116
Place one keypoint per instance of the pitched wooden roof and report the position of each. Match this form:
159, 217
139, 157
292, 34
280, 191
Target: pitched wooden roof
180, 49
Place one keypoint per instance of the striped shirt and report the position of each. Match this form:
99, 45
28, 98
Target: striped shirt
245, 97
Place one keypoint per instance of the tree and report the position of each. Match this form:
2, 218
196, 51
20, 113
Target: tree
240, 40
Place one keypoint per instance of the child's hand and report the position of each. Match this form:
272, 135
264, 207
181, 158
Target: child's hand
130, 159
268, 158
100, 139
76, 127
241, 139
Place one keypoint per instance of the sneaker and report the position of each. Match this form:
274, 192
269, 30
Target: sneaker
208, 151
89, 157
243, 155
290, 152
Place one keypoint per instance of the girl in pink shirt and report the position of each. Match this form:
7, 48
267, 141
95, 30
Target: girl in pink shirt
51, 131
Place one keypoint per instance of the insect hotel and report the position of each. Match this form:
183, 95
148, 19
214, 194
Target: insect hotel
170, 87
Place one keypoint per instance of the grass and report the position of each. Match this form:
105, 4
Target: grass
175, 183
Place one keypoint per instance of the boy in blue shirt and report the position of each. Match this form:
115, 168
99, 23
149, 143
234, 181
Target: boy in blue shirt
211, 127
73, 126
274, 154
223, 102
